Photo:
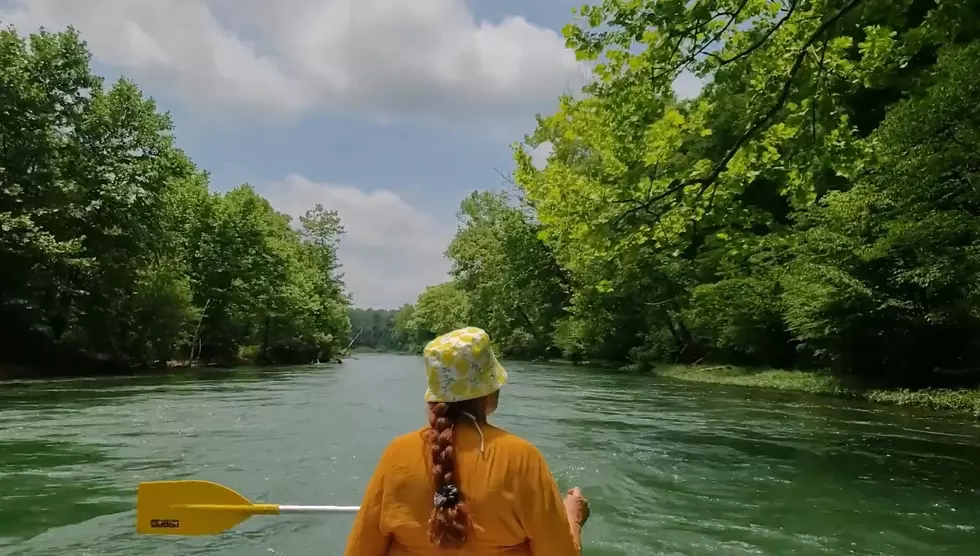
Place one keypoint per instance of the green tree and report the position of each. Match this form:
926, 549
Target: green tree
114, 252
887, 275
439, 309
90, 245
383, 330
679, 222
516, 289
265, 285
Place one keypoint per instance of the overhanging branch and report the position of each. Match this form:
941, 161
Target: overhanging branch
758, 44
710, 181
733, 16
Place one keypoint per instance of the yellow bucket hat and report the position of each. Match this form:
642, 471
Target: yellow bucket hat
460, 365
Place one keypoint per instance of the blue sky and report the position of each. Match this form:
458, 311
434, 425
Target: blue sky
389, 111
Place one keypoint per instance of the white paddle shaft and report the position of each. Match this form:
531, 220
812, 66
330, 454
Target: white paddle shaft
317, 509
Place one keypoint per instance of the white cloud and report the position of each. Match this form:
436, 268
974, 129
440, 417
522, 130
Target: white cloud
540, 154
391, 250
387, 58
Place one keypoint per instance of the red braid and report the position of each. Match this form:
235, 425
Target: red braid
450, 523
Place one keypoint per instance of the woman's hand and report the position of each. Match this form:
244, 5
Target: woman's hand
577, 506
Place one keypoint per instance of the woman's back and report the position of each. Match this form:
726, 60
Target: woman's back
514, 503
460, 484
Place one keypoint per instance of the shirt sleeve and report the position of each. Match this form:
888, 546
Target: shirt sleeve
367, 537
543, 509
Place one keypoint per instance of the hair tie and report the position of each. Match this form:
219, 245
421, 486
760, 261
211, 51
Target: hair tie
446, 497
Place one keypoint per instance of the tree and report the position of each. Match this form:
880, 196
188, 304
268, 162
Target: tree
266, 285
88, 179
679, 222
381, 330
886, 278
113, 248
516, 289
439, 309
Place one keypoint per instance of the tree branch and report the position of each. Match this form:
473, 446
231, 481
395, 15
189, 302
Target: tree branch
717, 36
815, 105
758, 44
783, 95
710, 181
509, 180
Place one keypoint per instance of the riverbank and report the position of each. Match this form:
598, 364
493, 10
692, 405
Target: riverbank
91, 368
961, 401
19, 371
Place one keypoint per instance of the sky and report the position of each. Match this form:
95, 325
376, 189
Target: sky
388, 111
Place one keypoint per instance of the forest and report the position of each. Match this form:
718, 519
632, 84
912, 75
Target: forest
814, 207
115, 254
380, 330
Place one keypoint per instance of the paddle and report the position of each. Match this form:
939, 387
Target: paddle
204, 508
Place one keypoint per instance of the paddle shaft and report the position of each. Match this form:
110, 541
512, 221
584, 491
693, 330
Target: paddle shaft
285, 509
273, 509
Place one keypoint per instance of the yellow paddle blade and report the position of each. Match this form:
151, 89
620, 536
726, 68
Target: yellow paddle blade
192, 508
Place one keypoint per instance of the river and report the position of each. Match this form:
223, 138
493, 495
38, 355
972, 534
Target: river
671, 468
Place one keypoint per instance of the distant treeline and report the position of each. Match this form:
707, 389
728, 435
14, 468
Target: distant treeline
383, 330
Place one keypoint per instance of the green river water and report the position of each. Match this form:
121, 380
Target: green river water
670, 468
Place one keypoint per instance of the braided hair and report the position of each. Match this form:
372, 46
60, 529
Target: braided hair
449, 523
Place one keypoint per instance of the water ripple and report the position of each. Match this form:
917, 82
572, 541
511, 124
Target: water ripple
671, 468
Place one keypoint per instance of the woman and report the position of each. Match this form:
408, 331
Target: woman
461, 483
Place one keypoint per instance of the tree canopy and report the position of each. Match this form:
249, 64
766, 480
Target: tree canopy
113, 249
815, 205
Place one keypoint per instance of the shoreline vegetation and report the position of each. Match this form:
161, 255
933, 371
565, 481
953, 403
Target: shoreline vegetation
961, 401
814, 206
954, 401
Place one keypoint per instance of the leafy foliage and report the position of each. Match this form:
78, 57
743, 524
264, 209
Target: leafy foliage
113, 249
814, 206
515, 288
382, 330
504, 279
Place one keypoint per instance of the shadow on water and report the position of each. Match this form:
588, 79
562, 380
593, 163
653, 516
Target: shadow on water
50, 480
21, 456
43, 484
48, 503
79, 393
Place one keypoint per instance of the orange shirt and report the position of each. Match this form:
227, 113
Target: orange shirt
514, 502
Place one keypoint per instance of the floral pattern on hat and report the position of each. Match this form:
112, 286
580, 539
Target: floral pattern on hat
460, 365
